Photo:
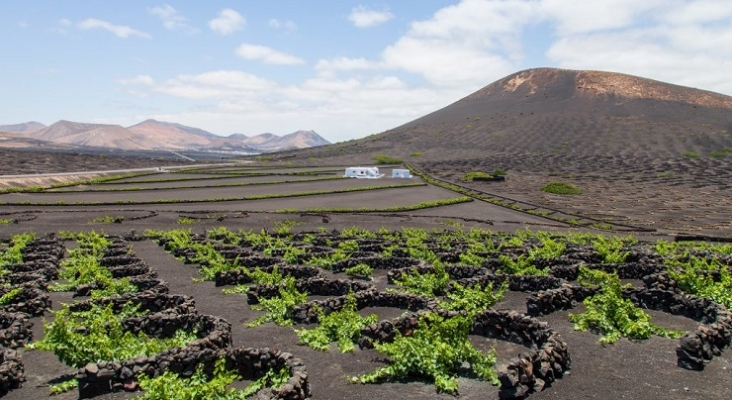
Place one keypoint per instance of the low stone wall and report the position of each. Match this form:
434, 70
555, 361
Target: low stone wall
546, 359
459, 271
233, 254
149, 282
627, 270
251, 363
388, 263
148, 301
259, 261
45, 268
12, 371
18, 278
102, 377
386, 330
311, 286
239, 277
30, 300
15, 330
564, 297
695, 349
306, 313
114, 261
125, 270
516, 283
143, 282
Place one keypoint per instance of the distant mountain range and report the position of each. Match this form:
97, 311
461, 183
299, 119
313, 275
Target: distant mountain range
149, 135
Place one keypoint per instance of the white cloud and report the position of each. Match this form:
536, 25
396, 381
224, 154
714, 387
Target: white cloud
172, 19
664, 53
362, 17
267, 55
286, 25
453, 53
227, 22
465, 45
701, 11
145, 80
237, 101
118, 30
215, 85
583, 16
23, 24
330, 66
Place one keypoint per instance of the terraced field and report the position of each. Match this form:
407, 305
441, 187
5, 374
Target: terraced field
238, 256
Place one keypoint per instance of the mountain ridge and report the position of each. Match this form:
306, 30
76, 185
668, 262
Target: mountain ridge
152, 135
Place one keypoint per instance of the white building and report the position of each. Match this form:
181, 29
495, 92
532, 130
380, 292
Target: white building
363, 173
401, 173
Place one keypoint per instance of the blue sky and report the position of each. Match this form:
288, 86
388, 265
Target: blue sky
345, 69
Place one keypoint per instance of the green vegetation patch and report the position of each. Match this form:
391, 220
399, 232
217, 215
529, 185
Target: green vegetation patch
718, 154
437, 350
612, 315
383, 159
201, 386
562, 188
478, 176
103, 337
342, 327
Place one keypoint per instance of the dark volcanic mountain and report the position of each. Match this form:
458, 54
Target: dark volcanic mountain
644, 153
541, 111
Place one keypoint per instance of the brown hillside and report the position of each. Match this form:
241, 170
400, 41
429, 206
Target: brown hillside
165, 135
579, 113
644, 152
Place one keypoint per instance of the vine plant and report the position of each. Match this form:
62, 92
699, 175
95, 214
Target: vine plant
342, 327
612, 315
436, 350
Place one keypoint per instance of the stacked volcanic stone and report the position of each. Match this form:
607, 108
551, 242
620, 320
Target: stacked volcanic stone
239, 277
695, 349
12, 371
386, 331
397, 274
564, 297
698, 347
253, 363
387, 263
214, 334
516, 283
120, 261
626, 270
312, 286
15, 330
308, 312
30, 300
464, 271
547, 357
546, 360
40, 264
148, 301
